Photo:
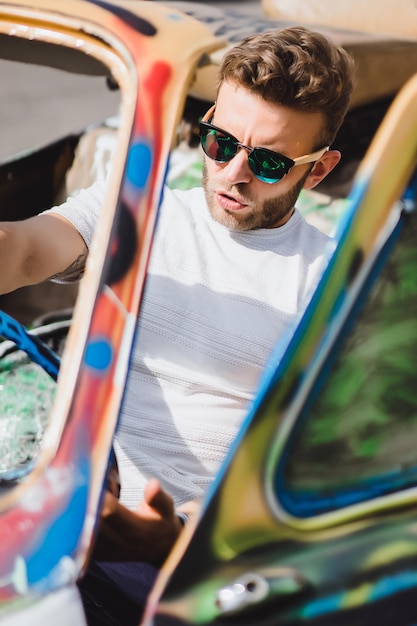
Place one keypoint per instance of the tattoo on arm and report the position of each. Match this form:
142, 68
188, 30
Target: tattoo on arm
74, 271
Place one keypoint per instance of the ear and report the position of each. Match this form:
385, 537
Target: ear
322, 168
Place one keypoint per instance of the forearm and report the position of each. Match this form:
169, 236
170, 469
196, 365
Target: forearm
37, 249
14, 258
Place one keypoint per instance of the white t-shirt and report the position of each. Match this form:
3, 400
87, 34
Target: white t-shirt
216, 303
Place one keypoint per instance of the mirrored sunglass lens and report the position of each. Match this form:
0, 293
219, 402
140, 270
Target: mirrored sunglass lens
268, 167
218, 146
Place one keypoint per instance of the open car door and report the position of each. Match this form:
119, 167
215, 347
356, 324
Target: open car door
312, 518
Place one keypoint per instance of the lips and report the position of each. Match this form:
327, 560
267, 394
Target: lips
229, 203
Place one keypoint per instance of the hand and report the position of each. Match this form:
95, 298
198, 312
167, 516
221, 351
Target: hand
147, 534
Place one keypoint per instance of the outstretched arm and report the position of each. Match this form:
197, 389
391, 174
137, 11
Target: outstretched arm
39, 248
147, 534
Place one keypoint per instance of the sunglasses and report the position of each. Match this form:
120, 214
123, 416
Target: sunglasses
268, 166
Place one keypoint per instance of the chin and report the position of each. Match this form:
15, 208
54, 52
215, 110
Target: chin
226, 219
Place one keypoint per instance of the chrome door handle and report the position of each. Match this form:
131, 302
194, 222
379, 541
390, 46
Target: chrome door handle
253, 588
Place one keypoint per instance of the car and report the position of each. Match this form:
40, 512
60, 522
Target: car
312, 516
50, 493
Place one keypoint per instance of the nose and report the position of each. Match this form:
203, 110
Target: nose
237, 170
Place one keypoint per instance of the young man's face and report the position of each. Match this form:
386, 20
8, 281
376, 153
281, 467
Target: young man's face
235, 197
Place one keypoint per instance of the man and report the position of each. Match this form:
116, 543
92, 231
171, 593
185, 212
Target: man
232, 267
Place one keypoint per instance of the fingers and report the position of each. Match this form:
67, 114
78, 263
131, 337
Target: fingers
145, 535
158, 499
110, 504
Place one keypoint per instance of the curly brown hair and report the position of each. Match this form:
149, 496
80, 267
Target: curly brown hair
295, 67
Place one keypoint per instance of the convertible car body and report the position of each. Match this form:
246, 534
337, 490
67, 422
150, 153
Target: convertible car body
312, 518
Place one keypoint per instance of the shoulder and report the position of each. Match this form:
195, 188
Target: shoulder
312, 241
182, 204
188, 198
